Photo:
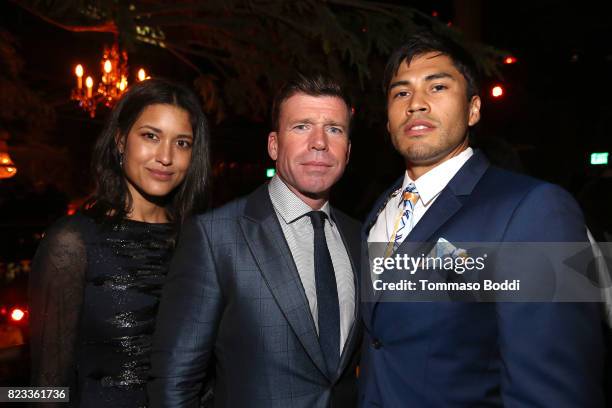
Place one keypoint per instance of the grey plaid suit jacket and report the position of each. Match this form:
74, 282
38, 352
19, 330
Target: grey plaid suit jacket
234, 306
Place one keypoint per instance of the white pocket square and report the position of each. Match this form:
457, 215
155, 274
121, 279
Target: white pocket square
444, 249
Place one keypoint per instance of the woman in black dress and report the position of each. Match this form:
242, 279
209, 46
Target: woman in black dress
97, 275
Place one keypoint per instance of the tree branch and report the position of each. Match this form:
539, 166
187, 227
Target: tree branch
106, 27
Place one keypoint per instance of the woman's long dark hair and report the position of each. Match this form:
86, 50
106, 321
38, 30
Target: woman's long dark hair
111, 199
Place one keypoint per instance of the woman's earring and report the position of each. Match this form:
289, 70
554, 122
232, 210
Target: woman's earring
121, 159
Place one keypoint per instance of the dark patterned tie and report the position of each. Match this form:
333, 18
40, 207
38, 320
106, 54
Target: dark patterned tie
327, 294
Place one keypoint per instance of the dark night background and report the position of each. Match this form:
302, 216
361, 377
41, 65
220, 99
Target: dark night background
556, 110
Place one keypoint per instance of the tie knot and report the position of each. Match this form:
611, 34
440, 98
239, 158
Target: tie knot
317, 218
410, 195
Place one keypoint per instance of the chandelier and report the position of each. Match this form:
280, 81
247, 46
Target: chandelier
114, 82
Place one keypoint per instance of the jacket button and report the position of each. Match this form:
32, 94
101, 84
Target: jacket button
376, 344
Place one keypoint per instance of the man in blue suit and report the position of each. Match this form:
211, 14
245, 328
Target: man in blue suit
461, 354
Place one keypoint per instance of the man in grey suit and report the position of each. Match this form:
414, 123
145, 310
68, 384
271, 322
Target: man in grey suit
262, 292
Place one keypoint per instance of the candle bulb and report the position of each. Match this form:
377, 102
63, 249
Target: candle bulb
89, 85
142, 75
123, 84
106, 77
79, 74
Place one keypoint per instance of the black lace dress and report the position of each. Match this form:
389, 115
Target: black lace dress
94, 292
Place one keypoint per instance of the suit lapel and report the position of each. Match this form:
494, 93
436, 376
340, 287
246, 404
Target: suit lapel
450, 199
445, 206
267, 243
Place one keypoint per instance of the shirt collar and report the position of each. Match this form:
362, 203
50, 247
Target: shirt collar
430, 184
289, 206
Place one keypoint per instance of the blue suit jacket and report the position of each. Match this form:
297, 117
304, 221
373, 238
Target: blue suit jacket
458, 354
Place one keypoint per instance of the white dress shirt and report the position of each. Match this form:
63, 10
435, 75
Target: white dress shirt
429, 186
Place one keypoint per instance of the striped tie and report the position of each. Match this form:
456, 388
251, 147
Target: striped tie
410, 196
